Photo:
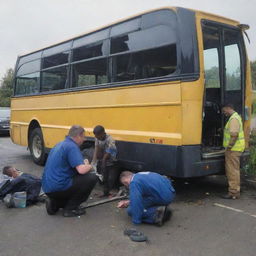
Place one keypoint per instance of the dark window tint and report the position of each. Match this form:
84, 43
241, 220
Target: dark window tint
89, 39
125, 27
89, 73
29, 67
57, 49
144, 39
167, 17
27, 84
54, 79
29, 57
145, 64
89, 51
55, 60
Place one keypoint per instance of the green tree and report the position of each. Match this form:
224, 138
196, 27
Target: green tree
212, 79
253, 69
6, 88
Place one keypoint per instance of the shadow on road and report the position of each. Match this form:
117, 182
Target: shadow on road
195, 189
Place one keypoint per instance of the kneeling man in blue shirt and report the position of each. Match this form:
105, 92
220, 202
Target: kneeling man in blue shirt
67, 180
150, 194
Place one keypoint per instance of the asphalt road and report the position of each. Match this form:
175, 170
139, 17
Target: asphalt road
203, 224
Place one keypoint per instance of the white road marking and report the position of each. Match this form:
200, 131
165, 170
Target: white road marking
234, 209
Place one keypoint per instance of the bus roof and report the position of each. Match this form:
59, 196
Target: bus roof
210, 15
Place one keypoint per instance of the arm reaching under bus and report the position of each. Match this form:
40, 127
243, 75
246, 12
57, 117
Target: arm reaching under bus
83, 168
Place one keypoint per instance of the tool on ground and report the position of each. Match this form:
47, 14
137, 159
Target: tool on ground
122, 194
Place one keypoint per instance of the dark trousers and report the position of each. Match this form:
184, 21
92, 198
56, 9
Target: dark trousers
79, 192
110, 178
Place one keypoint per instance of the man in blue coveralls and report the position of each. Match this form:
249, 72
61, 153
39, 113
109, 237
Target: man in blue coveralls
150, 194
67, 180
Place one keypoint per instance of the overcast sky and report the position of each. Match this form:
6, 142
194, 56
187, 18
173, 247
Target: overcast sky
28, 25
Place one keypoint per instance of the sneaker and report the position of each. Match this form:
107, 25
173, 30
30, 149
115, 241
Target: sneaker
230, 196
50, 205
74, 213
41, 198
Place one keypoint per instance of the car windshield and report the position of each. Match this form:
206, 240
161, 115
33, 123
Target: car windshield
4, 113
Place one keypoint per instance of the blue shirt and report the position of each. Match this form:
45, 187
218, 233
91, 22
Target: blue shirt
148, 189
60, 166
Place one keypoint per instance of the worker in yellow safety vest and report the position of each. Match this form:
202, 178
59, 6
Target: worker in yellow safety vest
234, 144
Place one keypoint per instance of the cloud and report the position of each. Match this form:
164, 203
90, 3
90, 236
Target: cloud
29, 25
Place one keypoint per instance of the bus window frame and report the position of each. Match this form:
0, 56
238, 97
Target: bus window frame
175, 76
54, 67
242, 51
19, 63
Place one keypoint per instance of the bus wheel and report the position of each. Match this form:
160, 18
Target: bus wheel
36, 146
88, 153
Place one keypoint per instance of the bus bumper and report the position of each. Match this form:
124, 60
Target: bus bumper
175, 161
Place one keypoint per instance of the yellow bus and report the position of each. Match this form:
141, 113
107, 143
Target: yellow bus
155, 81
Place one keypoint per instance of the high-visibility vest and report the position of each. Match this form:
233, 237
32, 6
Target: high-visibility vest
240, 142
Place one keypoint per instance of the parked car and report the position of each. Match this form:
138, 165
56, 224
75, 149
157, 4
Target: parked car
4, 120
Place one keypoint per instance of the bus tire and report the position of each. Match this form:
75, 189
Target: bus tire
36, 146
88, 153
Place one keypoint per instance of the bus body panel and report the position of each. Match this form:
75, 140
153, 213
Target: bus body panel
145, 114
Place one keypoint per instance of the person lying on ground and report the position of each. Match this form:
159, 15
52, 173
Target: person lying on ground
150, 195
21, 181
105, 158
67, 180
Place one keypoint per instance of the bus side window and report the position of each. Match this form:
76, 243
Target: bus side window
28, 78
91, 72
27, 84
54, 79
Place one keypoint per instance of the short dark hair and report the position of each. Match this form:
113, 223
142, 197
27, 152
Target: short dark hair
99, 129
227, 105
75, 130
6, 170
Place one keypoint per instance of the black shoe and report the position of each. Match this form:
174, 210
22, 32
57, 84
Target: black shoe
41, 199
51, 206
160, 215
229, 196
167, 214
74, 213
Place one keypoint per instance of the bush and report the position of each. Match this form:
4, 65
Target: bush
250, 167
254, 105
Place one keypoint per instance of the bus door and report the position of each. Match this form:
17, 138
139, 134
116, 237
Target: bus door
224, 71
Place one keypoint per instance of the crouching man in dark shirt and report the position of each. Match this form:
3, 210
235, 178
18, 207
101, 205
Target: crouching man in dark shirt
150, 194
67, 180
